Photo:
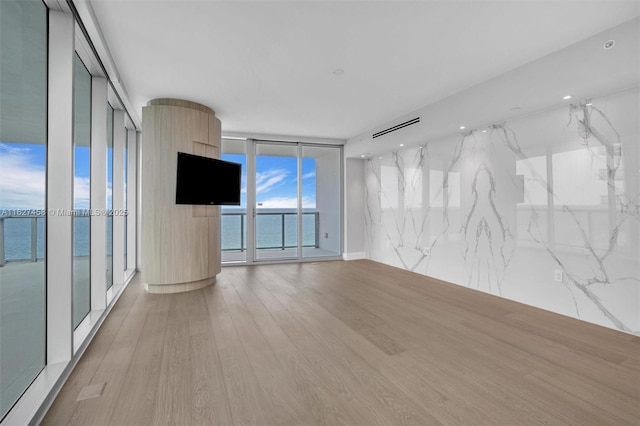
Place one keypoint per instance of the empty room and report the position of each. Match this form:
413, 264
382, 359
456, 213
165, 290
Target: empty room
314, 212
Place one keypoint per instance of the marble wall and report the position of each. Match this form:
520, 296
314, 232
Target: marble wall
543, 210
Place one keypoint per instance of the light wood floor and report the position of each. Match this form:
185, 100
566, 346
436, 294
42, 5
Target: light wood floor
348, 343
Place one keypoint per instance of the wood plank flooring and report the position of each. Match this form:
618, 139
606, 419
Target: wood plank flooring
355, 343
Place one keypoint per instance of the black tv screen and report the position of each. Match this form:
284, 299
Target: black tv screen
207, 181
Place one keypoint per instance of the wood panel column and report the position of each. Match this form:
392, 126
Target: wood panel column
180, 246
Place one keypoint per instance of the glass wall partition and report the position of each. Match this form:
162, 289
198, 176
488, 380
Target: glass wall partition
294, 199
233, 219
276, 211
44, 305
23, 124
81, 190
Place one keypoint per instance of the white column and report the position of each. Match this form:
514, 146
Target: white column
354, 207
132, 185
119, 140
140, 211
98, 193
250, 224
60, 188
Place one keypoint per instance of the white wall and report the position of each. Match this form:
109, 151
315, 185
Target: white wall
501, 209
328, 199
354, 191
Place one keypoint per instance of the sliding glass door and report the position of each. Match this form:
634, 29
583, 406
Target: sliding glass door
290, 204
276, 201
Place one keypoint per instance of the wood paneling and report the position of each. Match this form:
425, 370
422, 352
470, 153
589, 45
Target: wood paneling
348, 343
178, 252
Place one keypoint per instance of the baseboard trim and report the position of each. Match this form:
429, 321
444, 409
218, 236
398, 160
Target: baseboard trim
354, 256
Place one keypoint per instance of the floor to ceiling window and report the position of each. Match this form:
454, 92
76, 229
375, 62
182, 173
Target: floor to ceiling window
291, 206
81, 190
233, 219
276, 218
23, 123
49, 159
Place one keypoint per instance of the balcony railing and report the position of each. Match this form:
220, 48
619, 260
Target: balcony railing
18, 242
280, 237
270, 238
33, 245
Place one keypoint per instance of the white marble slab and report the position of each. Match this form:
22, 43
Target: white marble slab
507, 208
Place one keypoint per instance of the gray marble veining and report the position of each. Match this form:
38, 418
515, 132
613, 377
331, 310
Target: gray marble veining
506, 208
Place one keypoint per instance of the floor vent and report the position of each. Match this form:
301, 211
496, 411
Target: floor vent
91, 391
396, 127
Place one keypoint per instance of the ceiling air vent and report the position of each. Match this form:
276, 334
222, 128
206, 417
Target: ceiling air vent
396, 127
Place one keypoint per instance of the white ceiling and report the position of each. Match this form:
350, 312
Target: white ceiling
268, 67
584, 70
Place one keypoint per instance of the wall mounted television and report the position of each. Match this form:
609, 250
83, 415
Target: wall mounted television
207, 181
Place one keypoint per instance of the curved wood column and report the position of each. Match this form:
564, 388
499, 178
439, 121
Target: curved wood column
180, 247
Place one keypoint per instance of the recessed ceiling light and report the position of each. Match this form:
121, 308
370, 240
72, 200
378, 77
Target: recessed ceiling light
462, 127
380, 158
338, 72
401, 144
567, 97
609, 44
589, 104
484, 131
362, 156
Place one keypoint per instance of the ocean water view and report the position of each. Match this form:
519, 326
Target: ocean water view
17, 237
269, 227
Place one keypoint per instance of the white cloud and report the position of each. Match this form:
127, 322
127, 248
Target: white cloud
81, 192
4, 147
22, 183
308, 202
288, 203
109, 194
272, 178
243, 184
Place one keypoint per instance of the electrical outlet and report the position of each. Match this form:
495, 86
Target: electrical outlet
426, 251
558, 275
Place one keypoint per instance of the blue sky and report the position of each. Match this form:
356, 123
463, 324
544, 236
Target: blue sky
23, 171
276, 181
23, 176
